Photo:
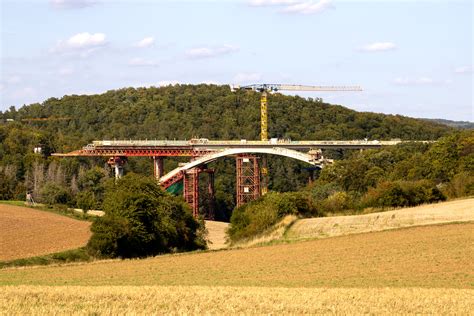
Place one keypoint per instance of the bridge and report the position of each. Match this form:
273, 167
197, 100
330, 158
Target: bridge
202, 151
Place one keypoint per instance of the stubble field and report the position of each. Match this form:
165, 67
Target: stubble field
428, 257
223, 300
27, 232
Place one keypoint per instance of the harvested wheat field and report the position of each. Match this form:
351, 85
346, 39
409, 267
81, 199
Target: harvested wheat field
427, 256
322, 227
216, 234
27, 232
225, 300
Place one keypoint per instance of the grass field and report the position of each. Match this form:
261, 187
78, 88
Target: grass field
27, 232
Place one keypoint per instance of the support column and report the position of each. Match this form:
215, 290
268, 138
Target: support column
210, 191
158, 170
248, 179
117, 163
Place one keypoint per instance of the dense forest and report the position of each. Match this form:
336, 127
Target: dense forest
172, 112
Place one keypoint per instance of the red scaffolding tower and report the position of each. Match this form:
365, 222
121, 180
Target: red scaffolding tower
248, 179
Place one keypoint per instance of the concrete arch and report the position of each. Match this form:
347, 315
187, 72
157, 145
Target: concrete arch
310, 159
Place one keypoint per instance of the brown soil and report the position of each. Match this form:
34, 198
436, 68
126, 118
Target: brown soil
27, 232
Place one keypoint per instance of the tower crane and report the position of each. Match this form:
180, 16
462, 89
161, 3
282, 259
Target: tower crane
264, 89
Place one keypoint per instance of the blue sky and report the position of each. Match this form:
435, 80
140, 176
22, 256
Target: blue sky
412, 58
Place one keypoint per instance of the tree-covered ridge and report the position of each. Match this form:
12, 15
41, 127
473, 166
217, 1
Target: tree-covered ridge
214, 112
173, 112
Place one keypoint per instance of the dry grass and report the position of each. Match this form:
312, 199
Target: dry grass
115, 300
217, 234
277, 232
428, 256
453, 211
27, 232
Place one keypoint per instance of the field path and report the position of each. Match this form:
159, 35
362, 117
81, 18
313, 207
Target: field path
27, 232
216, 236
322, 227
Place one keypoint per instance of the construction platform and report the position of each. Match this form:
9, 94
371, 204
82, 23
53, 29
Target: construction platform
203, 146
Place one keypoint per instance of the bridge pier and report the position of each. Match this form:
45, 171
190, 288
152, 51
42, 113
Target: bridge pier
117, 164
158, 170
248, 179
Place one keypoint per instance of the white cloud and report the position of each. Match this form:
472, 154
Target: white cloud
295, 6
379, 47
309, 7
146, 42
26, 92
65, 71
72, 4
141, 62
414, 81
266, 3
247, 77
211, 82
13, 79
464, 70
85, 43
208, 52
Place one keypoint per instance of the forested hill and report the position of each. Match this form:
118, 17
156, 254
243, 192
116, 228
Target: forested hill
209, 111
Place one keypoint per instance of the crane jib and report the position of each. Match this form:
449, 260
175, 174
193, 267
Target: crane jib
287, 87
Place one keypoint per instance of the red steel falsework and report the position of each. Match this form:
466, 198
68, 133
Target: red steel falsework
248, 179
191, 189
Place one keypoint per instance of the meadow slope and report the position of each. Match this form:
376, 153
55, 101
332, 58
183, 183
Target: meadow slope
429, 214
27, 232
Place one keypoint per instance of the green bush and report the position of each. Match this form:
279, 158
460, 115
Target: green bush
402, 194
142, 220
85, 200
255, 217
336, 202
461, 185
53, 193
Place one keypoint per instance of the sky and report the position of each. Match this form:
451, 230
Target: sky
412, 58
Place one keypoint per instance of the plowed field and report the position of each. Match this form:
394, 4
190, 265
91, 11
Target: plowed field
26, 232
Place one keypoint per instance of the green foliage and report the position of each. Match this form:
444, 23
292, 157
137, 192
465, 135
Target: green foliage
257, 216
85, 200
52, 194
402, 194
68, 256
142, 220
462, 184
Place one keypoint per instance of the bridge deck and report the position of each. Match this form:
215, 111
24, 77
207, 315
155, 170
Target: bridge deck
200, 147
